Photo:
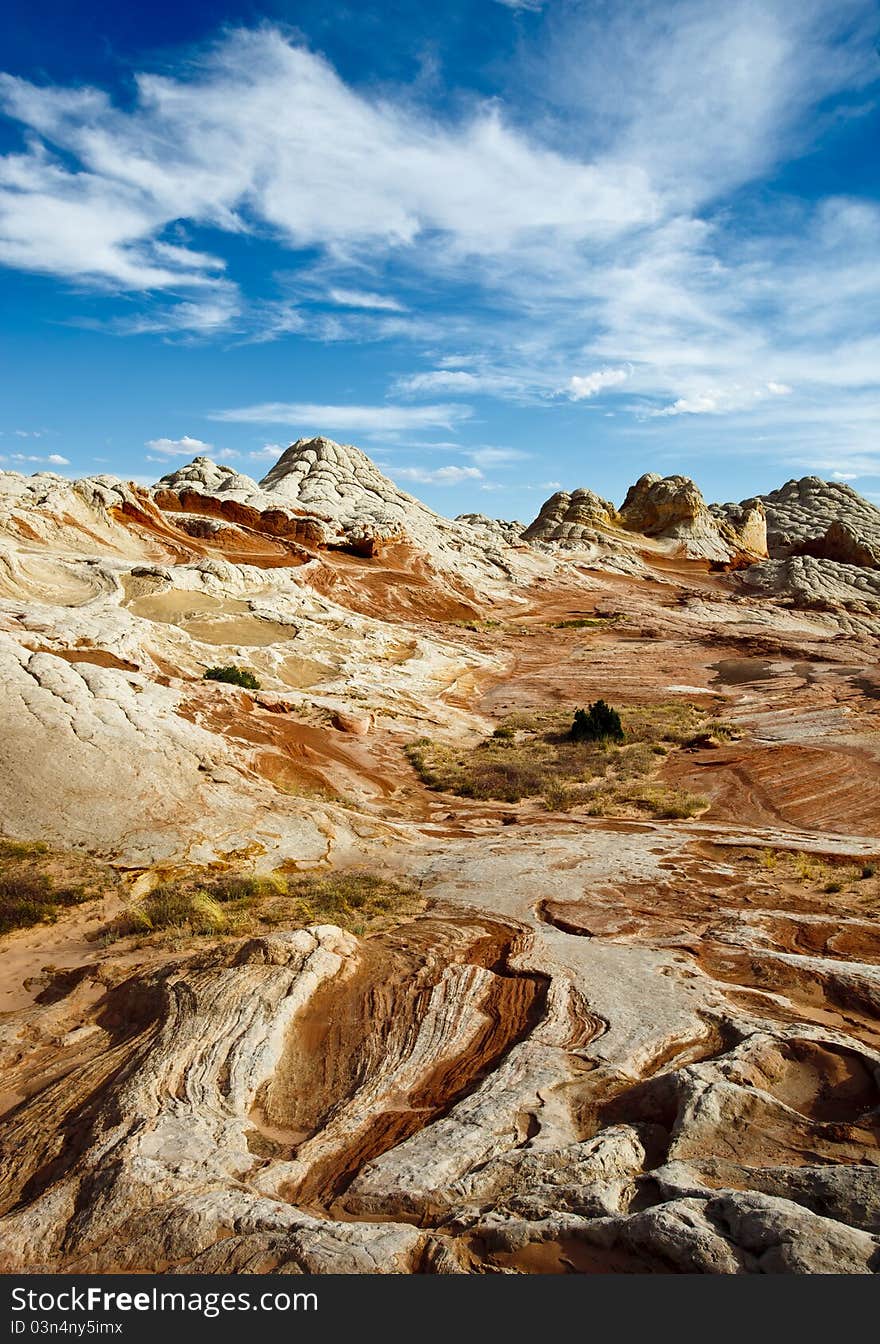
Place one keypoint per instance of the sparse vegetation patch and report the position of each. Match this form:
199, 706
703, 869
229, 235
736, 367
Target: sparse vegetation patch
36, 885
546, 755
817, 874
215, 906
588, 622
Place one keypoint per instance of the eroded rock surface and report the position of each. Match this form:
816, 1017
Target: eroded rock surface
672, 506
572, 519
803, 510
600, 1043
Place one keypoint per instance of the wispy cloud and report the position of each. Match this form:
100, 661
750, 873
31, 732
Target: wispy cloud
270, 452
601, 218
480, 183
316, 418
51, 459
359, 298
719, 400
448, 475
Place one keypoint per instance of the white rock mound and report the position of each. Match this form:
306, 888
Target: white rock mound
349, 503
803, 510
572, 520
667, 508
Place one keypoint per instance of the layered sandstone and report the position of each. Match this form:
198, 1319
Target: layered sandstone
625, 1042
572, 519
673, 507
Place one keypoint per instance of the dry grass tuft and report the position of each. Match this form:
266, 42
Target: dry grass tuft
817, 874
533, 756
37, 883
233, 905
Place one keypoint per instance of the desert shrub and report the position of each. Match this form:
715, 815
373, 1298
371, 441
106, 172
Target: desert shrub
36, 885
235, 676
21, 849
868, 870
805, 867
25, 901
173, 907
721, 730
559, 796
598, 723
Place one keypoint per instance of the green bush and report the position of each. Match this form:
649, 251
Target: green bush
236, 676
597, 724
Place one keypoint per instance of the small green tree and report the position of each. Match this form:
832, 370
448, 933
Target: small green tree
596, 724
236, 676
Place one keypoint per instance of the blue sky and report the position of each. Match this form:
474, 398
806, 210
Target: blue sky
503, 245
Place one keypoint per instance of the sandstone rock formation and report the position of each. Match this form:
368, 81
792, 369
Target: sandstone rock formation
672, 506
510, 532
325, 494
669, 509
572, 519
842, 544
803, 510
820, 585
630, 1040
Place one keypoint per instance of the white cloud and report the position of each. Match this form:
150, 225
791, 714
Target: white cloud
706, 96
587, 221
52, 459
359, 298
516, 385
591, 383
450, 475
719, 400
440, 380
489, 456
262, 134
183, 447
314, 418
534, 5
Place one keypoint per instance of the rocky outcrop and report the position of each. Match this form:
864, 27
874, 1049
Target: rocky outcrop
818, 585
673, 507
494, 529
572, 520
744, 525
803, 511
209, 478
842, 544
322, 494
667, 508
